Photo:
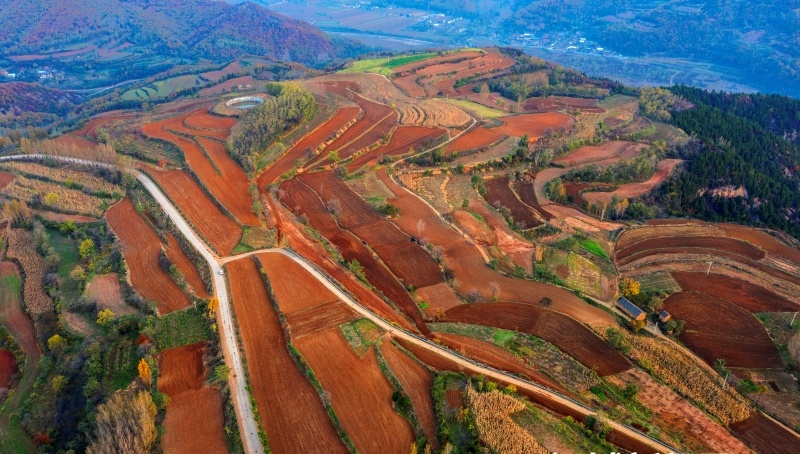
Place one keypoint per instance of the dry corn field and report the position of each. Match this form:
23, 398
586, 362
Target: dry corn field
66, 200
683, 374
100, 152
432, 113
21, 248
501, 434
88, 181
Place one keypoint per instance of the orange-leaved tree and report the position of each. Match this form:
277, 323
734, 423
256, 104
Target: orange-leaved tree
144, 372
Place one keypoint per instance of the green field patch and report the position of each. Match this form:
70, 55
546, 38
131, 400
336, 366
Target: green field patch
360, 334
501, 336
254, 239
385, 65
163, 88
181, 328
593, 248
67, 250
122, 360
477, 109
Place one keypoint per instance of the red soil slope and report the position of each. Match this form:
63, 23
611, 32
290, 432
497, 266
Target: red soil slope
765, 435
181, 369
6, 179
499, 193
404, 139
8, 367
534, 125
592, 153
744, 294
194, 423
13, 317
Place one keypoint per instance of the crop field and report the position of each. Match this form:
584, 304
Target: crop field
228, 85
446, 58
22, 249
188, 269
417, 382
581, 344
179, 328
357, 388
319, 318
386, 66
142, 250
213, 225
289, 406
627, 191
63, 199
763, 240
181, 369
488, 64
405, 140
478, 110
163, 88
499, 194
492, 411
593, 153
532, 125
527, 194
765, 435
556, 103
716, 328
8, 367
73, 178
91, 128
678, 228
12, 314
665, 245
744, 294
6, 179
121, 362
106, 291
194, 423
312, 141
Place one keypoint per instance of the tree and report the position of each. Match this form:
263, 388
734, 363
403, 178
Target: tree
484, 91
86, 249
221, 373
105, 317
144, 372
546, 301
17, 211
58, 383
78, 273
636, 325
213, 306
125, 424
629, 287
51, 199
495, 288
56, 342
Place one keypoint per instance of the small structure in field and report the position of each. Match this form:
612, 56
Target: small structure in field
630, 309
664, 317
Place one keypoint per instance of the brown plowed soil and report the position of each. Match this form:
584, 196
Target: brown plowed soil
289, 405
716, 328
496, 357
592, 153
628, 191
185, 265
142, 250
527, 193
359, 392
284, 274
8, 367
6, 179
106, 291
417, 382
201, 119
90, 129
762, 240
534, 125
329, 314
227, 85
554, 103
404, 139
428, 62
181, 369
194, 423
213, 225
581, 343
470, 269
13, 317
499, 193
663, 245
312, 140
766, 436
744, 294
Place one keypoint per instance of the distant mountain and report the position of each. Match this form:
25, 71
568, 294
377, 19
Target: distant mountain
111, 30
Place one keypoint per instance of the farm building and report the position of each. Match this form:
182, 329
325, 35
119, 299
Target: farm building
664, 317
630, 309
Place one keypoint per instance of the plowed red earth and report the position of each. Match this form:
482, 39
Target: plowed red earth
470, 268
289, 405
194, 423
8, 367
189, 270
359, 392
292, 297
627, 191
553, 103
326, 315
499, 193
417, 382
765, 435
14, 318
71, 140
762, 240
303, 201
437, 61
581, 343
404, 139
489, 64
106, 291
227, 85
496, 357
212, 224
744, 294
716, 328
6, 179
142, 250
527, 193
664, 245
90, 128
299, 150
608, 150
534, 125
181, 369
220, 174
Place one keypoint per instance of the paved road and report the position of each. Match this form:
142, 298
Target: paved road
247, 423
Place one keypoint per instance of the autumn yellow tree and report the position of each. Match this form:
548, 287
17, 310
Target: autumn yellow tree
145, 373
56, 342
105, 317
213, 306
629, 287
125, 424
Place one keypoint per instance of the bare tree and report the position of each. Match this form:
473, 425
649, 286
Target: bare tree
495, 288
334, 206
473, 296
420, 227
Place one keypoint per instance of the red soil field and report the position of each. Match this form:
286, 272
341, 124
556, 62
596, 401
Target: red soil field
357, 388
716, 328
574, 190
181, 369
499, 192
201, 119
70, 140
496, 357
527, 194
765, 435
500, 235
470, 268
581, 343
227, 85
90, 128
663, 245
105, 290
454, 398
292, 297
408, 85
189, 270
312, 140
534, 125
762, 240
220, 174
744, 294
491, 63
592, 153
142, 250
16, 321
417, 381
194, 423
553, 103
627, 191
303, 201
217, 229
8, 367
6, 179
289, 405
437, 61
323, 316
403, 140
